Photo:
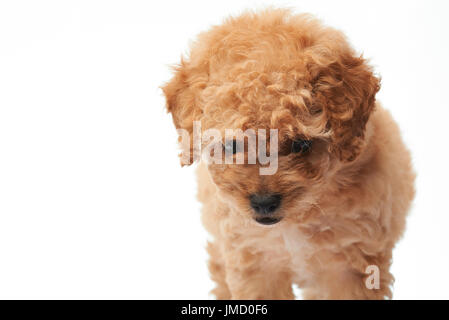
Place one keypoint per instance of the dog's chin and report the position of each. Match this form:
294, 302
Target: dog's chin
267, 221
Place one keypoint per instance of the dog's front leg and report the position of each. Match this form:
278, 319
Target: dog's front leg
359, 277
250, 276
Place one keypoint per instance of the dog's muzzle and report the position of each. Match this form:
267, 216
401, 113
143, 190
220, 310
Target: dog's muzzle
265, 206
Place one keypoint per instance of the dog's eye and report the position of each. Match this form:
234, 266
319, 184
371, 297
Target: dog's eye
230, 147
301, 146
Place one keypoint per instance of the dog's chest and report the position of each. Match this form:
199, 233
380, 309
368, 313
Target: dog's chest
299, 249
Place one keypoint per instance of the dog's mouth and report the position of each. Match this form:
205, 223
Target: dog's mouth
267, 220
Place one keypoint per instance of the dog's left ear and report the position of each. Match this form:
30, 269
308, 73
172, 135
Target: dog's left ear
183, 94
345, 90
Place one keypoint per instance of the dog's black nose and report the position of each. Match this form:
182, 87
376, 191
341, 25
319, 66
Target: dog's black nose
265, 204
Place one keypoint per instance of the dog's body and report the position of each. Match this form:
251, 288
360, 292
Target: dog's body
325, 251
341, 206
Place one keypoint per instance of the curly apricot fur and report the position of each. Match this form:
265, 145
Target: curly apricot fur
344, 204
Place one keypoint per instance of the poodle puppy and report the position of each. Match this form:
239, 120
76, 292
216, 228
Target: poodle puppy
329, 217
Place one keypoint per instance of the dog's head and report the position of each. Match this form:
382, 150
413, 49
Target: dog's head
267, 71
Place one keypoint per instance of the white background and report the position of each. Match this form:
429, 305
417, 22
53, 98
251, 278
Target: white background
93, 202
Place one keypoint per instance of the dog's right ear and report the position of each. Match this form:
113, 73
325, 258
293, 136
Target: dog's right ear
183, 95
